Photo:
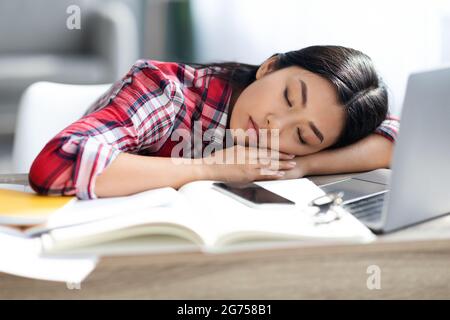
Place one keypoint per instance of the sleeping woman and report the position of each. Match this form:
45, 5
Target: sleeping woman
319, 110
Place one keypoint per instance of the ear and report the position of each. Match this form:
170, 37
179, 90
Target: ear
267, 67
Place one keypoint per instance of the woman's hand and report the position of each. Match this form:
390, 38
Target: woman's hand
246, 164
300, 170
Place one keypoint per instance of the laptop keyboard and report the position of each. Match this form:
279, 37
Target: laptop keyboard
368, 209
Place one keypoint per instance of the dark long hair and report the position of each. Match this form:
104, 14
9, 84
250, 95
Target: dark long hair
360, 90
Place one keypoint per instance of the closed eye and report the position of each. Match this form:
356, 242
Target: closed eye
286, 97
300, 138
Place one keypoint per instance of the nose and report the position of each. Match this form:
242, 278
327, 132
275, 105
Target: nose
272, 122
279, 122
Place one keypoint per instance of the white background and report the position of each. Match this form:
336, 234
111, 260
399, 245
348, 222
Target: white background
400, 36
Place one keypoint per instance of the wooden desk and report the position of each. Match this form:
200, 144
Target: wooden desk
414, 263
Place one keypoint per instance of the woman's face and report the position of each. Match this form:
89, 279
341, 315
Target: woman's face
300, 104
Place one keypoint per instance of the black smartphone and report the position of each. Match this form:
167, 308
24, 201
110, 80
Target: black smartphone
252, 194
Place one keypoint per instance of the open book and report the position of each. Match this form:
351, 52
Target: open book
195, 217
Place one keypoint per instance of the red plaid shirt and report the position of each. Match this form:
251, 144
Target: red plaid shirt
137, 115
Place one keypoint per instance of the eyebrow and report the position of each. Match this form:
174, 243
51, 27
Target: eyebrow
316, 131
304, 101
304, 92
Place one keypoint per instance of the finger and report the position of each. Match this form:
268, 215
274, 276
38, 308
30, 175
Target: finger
286, 156
266, 174
274, 154
286, 165
276, 165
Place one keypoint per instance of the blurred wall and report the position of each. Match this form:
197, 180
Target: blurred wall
39, 41
167, 30
400, 36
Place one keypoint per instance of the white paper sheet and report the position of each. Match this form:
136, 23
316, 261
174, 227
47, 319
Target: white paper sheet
301, 191
20, 256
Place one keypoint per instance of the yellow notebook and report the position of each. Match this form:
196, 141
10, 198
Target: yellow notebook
21, 208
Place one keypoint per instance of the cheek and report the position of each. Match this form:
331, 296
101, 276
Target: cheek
236, 115
258, 97
241, 106
245, 105
290, 146
257, 100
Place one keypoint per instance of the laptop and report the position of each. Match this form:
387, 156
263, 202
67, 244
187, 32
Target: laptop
418, 187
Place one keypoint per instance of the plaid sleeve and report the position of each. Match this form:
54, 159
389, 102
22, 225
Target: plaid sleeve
389, 128
138, 114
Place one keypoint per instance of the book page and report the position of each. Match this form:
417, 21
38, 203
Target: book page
135, 245
84, 211
151, 214
151, 223
217, 215
205, 217
222, 220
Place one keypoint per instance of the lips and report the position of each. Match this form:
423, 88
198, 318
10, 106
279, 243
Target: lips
252, 125
253, 130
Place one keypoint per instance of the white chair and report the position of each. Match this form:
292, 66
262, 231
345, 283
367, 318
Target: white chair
45, 109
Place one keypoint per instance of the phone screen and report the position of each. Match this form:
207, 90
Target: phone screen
253, 193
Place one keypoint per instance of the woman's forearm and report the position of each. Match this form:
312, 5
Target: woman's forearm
130, 173
372, 152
